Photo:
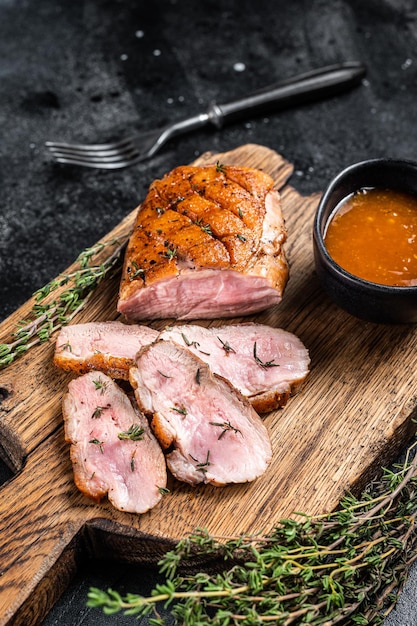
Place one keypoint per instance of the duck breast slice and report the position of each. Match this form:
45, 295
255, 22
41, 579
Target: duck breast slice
110, 347
210, 431
207, 243
113, 450
267, 365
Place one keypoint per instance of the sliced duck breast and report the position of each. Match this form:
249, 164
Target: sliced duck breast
113, 450
110, 347
207, 243
265, 364
210, 431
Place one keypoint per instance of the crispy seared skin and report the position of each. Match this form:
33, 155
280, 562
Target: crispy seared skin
207, 243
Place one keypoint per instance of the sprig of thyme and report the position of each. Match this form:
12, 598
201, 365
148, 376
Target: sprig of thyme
98, 443
134, 433
180, 409
202, 466
49, 313
342, 567
100, 385
98, 411
263, 364
205, 227
226, 346
220, 167
225, 426
171, 253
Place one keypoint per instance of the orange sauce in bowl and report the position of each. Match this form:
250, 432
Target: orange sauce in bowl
372, 234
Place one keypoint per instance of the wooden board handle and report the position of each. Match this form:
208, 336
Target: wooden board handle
47, 529
36, 530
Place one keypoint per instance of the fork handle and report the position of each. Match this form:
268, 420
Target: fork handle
322, 83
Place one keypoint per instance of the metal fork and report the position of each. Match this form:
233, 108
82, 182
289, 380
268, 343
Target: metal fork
321, 83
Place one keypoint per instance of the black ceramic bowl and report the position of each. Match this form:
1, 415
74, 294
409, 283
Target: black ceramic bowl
366, 300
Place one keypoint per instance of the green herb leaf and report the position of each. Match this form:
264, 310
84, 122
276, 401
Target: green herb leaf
225, 426
99, 410
99, 443
226, 346
202, 466
180, 409
171, 253
264, 364
341, 567
134, 433
100, 385
52, 310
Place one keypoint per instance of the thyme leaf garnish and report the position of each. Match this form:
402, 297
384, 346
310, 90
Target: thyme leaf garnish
100, 385
138, 272
171, 253
163, 491
65, 347
98, 443
241, 237
264, 364
99, 410
340, 567
180, 409
202, 466
197, 376
206, 228
134, 433
188, 342
225, 427
226, 346
193, 344
220, 167
48, 313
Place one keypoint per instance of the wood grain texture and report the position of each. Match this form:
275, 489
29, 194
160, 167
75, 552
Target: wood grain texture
353, 415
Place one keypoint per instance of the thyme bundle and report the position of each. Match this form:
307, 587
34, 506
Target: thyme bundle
343, 567
72, 292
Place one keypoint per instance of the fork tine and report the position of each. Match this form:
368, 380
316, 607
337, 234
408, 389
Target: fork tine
102, 165
94, 154
97, 147
116, 161
63, 158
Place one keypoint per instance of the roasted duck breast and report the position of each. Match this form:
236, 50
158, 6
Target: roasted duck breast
207, 243
113, 450
210, 432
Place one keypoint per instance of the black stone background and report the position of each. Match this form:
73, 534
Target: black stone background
94, 69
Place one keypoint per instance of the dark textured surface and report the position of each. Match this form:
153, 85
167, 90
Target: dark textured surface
91, 70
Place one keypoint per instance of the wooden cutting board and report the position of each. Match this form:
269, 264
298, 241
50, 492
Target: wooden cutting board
353, 415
